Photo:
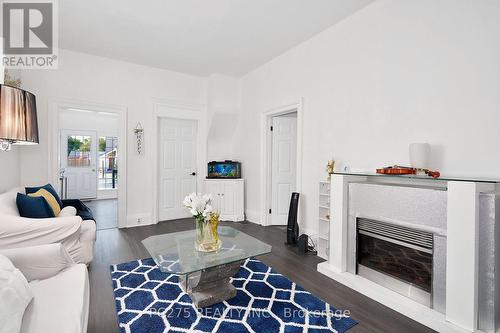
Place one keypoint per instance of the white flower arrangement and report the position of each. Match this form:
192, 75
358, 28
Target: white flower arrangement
199, 204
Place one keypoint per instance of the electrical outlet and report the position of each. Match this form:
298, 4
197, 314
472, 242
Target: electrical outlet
139, 220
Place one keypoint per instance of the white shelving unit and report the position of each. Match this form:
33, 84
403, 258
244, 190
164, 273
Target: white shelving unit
324, 220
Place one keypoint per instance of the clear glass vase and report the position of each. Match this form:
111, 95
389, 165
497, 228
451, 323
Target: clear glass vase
207, 237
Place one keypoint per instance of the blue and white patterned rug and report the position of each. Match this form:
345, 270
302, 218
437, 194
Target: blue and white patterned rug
148, 300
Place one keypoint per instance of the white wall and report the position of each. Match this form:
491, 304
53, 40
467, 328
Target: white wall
87, 78
396, 72
223, 106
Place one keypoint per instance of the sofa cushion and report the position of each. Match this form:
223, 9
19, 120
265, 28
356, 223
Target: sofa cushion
67, 211
8, 203
33, 207
56, 209
15, 295
60, 303
47, 187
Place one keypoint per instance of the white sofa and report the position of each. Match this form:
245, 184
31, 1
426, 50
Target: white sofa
59, 286
77, 236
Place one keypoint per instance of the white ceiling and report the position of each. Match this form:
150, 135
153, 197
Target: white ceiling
199, 37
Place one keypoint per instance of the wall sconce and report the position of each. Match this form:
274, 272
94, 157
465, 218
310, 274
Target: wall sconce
18, 120
139, 137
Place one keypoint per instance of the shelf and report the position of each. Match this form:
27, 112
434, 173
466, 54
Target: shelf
418, 177
324, 222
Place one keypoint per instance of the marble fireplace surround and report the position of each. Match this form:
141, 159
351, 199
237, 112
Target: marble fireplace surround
459, 213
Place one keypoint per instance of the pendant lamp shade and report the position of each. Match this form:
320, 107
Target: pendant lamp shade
18, 119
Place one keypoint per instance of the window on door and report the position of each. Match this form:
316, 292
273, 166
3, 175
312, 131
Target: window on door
107, 170
79, 151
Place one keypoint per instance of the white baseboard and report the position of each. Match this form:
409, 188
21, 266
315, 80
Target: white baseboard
138, 219
107, 194
253, 216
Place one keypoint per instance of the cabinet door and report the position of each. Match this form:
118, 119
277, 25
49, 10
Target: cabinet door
228, 194
214, 188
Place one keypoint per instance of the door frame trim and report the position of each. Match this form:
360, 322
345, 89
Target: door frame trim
55, 107
163, 108
265, 155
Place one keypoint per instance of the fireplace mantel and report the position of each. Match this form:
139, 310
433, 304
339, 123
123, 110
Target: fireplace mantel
462, 219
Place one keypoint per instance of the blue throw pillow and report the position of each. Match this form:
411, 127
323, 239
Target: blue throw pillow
47, 187
33, 207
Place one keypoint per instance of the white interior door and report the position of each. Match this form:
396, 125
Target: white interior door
78, 161
177, 166
284, 165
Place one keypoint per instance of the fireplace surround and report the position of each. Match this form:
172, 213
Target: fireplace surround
461, 215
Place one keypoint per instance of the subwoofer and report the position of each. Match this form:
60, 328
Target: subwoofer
292, 229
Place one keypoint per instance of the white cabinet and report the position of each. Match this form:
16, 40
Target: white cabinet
228, 197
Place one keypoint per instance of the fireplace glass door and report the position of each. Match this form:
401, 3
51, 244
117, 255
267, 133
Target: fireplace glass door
399, 252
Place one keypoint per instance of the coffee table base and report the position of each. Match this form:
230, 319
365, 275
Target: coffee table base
211, 285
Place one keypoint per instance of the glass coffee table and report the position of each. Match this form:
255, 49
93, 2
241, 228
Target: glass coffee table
204, 276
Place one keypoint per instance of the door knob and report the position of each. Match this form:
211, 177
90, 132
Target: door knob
193, 173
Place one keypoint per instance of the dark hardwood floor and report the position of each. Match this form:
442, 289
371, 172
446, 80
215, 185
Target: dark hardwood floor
116, 246
105, 212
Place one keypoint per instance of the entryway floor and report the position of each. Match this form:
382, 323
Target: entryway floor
105, 213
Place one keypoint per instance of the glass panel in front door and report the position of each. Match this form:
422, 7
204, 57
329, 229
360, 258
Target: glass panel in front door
79, 151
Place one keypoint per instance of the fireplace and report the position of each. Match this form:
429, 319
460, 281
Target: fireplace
463, 218
397, 257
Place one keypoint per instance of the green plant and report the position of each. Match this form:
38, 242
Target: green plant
102, 144
73, 144
86, 145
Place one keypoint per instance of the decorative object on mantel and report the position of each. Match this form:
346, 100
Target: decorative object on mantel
207, 238
330, 168
139, 137
18, 119
402, 170
419, 155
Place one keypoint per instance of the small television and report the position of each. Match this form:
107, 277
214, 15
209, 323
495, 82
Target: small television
224, 170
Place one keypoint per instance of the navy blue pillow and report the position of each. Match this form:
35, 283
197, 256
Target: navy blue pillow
49, 189
33, 207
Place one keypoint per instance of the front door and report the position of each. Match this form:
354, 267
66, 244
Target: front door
177, 166
283, 169
78, 162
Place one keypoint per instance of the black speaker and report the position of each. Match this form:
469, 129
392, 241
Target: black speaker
292, 229
303, 244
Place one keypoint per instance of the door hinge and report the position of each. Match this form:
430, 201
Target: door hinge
269, 210
271, 128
